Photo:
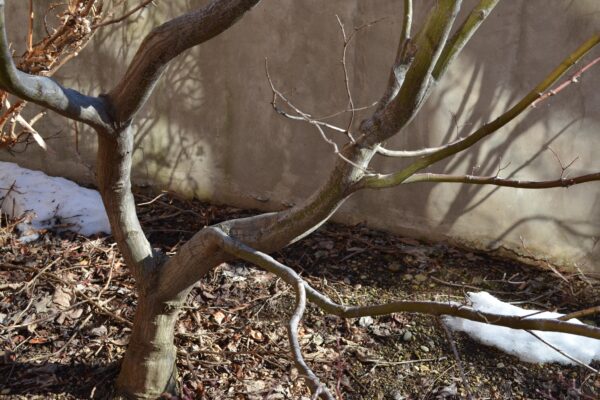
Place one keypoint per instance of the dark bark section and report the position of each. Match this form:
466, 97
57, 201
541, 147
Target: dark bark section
166, 42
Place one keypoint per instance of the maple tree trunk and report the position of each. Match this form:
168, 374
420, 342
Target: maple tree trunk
149, 366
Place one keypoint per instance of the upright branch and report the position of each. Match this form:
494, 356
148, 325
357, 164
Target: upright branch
462, 36
165, 43
394, 114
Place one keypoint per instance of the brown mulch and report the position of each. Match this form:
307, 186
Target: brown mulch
66, 303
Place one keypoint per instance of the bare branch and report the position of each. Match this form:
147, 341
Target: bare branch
303, 290
462, 36
562, 86
126, 15
347, 77
45, 91
347, 40
457, 358
407, 21
335, 114
563, 167
581, 313
289, 276
165, 43
404, 58
400, 103
559, 351
302, 116
496, 181
410, 153
389, 180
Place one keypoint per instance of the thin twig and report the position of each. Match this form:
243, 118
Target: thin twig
302, 116
581, 313
463, 375
574, 79
576, 361
127, 14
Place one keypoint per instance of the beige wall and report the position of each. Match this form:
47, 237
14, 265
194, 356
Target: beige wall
209, 129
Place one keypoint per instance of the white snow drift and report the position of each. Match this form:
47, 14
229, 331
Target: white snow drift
521, 343
46, 202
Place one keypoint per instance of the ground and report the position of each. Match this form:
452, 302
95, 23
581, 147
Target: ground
66, 302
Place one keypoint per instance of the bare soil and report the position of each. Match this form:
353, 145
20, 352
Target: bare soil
66, 303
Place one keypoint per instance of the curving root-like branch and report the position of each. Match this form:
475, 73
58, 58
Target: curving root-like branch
290, 277
304, 291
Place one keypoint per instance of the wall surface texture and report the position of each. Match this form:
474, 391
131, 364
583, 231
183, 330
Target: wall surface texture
209, 129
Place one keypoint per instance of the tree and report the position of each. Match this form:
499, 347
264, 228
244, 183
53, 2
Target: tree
163, 282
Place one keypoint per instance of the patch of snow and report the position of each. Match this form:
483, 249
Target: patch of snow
521, 343
45, 202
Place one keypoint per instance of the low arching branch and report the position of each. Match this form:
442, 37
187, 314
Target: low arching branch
305, 291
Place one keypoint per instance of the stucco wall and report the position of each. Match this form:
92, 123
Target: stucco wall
209, 130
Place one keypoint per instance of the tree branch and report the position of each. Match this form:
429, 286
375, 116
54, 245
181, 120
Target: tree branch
304, 290
407, 20
46, 92
126, 15
290, 277
388, 180
409, 153
399, 106
165, 43
462, 36
496, 181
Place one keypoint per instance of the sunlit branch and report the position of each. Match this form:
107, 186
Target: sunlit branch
404, 57
411, 153
393, 179
496, 181
574, 79
407, 21
304, 290
409, 80
462, 36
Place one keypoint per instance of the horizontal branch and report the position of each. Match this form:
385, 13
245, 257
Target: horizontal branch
451, 309
410, 153
268, 263
389, 180
496, 181
45, 91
